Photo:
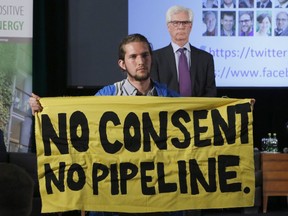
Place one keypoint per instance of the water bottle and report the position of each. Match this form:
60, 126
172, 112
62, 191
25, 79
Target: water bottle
269, 143
274, 143
264, 144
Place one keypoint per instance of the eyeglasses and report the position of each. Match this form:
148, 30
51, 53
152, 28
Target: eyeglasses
281, 20
176, 23
244, 21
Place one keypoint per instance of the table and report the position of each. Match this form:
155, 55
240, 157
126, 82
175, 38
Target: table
275, 175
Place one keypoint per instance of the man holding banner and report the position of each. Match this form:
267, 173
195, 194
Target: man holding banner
143, 154
135, 58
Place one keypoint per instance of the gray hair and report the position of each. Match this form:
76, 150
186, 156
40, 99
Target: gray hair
177, 9
282, 12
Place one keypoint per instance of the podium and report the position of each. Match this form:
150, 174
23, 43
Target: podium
275, 176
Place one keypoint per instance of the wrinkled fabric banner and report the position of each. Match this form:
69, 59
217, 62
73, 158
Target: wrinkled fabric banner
144, 154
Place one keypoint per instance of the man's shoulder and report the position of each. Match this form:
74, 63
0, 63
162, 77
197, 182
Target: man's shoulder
163, 53
163, 49
285, 32
199, 51
163, 90
107, 90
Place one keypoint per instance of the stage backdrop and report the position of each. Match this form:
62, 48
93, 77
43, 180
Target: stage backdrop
240, 61
144, 154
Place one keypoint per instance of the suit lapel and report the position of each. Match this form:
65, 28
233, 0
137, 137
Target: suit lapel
172, 66
193, 60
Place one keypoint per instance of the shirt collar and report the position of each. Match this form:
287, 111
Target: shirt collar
176, 47
130, 90
278, 31
232, 6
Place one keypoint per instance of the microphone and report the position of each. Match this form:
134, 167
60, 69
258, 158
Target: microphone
285, 150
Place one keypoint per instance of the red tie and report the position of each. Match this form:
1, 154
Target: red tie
184, 75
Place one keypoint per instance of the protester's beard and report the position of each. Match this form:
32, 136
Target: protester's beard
141, 77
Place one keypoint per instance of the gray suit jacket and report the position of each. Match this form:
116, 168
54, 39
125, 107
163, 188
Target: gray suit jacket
202, 71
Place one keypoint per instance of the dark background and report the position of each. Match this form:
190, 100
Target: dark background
56, 55
95, 29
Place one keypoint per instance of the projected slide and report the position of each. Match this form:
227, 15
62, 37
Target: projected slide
249, 41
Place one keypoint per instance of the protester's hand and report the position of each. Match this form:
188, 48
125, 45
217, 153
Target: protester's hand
35, 104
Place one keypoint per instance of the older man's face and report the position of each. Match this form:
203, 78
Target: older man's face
282, 20
210, 21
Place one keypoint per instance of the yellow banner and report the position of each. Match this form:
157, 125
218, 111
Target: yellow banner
144, 154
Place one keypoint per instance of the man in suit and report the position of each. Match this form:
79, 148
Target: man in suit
264, 4
165, 60
281, 24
